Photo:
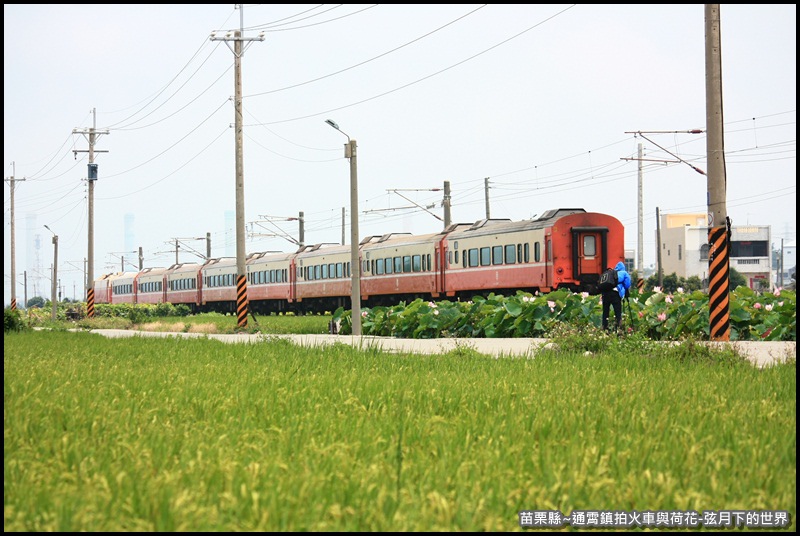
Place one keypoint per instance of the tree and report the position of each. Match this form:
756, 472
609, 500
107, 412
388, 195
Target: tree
36, 301
736, 279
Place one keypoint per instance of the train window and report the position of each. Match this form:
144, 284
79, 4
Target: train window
497, 254
486, 256
537, 251
388, 262
398, 265
425, 263
324, 271
589, 246
519, 252
378, 267
450, 257
407, 263
416, 263
332, 270
279, 276
347, 270
511, 254
473, 257
339, 270
526, 252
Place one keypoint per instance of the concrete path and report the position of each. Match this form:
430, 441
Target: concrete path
760, 353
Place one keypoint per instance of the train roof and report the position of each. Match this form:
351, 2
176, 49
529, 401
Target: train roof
488, 226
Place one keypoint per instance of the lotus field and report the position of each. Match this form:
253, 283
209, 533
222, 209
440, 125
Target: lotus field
657, 315
171, 434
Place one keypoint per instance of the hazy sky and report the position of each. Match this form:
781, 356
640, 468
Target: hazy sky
543, 100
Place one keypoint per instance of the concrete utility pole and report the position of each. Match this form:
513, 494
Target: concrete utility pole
351, 152
92, 177
658, 249
11, 180
719, 225
486, 194
54, 282
302, 230
343, 226
241, 255
446, 204
640, 244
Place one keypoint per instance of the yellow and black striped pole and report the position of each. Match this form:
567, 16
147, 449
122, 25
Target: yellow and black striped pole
719, 284
13, 303
241, 301
90, 302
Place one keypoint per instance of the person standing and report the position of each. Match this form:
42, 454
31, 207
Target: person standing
614, 297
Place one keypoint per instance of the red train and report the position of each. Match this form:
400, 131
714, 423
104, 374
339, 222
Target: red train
562, 248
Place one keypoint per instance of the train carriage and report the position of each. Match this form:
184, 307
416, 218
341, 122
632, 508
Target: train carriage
323, 277
563, 248
184, 285
150, 287
219, 285
400, 267
123, 288
270, 281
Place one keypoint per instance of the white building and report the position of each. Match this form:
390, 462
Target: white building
684, 249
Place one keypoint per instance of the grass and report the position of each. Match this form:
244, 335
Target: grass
197, 435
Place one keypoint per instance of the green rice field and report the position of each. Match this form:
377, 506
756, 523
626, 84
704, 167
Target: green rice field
170, 434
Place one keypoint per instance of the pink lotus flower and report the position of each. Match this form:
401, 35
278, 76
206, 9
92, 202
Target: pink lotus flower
551, 305
777, 291
768, 307
756, 305
662, 317
668, 299
641, 314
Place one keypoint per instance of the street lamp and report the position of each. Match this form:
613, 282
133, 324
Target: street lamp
355, 264
54, 283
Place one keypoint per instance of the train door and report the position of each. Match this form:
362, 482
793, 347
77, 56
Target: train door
293, 268
589, 248
440, 261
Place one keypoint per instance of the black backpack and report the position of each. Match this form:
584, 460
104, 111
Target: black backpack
608, 280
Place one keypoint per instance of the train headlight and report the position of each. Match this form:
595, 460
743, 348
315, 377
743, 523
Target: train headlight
559, 270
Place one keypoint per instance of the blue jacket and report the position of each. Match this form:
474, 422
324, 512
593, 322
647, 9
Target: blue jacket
624, 279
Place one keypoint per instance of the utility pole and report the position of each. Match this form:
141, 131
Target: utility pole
25, 279
640, 244
446, 204
780, 279
719, 225
11, 180
92, 177
486, 189
54, 282
302, 229
141, 259
208, 245
241, 269
658, 249
343, 242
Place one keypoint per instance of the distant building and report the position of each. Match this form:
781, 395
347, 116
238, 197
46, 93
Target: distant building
684, 249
